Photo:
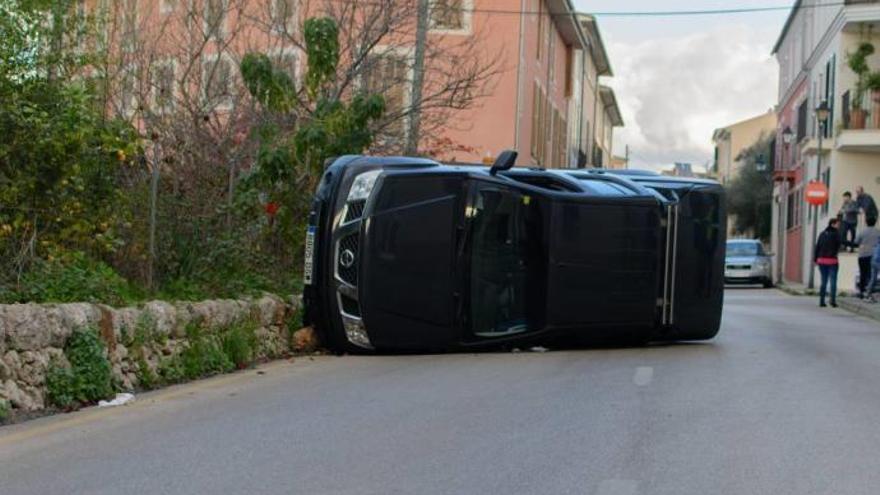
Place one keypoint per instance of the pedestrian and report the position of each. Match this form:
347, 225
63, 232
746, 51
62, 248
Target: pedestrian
866, 203
825, 255
849, 214
875, 270
867, 240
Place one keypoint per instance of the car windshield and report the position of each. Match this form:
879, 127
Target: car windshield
744, 249
508, 269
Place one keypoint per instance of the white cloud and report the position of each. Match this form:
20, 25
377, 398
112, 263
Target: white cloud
674, 92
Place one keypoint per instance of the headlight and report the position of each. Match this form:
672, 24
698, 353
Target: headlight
363, 185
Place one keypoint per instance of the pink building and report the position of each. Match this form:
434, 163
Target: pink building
543, 98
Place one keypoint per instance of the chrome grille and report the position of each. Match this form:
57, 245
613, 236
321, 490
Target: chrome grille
348, 245
739, 267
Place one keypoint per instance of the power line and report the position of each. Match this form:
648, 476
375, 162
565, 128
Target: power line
643, 13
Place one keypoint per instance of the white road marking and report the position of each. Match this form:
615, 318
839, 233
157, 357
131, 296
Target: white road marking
643, 376
618, 487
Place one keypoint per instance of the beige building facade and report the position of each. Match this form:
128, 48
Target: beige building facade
732, 140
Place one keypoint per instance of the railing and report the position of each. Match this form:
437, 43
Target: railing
862, 117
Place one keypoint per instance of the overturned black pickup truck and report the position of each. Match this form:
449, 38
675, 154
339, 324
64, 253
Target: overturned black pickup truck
411, 254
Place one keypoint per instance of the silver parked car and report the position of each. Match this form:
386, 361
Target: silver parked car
746, 262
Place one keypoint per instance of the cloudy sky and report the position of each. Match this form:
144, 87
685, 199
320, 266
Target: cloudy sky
679, 78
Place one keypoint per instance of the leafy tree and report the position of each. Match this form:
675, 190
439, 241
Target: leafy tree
60, 157
750, 193
290, 158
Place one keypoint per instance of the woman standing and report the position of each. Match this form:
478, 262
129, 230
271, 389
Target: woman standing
825, 255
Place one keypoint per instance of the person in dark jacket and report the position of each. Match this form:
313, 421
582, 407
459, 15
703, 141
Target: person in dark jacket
866, 203
849, 214
825, 255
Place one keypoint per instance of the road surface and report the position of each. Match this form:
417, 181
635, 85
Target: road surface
785, 401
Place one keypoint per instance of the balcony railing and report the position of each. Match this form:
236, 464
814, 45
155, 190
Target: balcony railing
862, 117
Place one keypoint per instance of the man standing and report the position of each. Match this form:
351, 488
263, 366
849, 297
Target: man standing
850, 215
867, 240
866, 203
825, 256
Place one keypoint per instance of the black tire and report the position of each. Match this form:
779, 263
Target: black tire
768, 284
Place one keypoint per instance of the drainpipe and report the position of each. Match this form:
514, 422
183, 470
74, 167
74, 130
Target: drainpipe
519, 75
595, 116
580, 138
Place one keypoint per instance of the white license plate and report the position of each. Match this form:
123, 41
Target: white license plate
310, 254
737, 274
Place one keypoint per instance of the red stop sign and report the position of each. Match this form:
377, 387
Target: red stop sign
816, 193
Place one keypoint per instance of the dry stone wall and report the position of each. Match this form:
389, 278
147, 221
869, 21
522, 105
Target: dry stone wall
33, 336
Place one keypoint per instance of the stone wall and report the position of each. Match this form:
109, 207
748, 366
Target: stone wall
32, 337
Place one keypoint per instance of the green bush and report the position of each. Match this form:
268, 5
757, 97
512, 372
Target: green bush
71, 278
147, 379
171, 370
5, 410
202, 356
239, 344
89, 377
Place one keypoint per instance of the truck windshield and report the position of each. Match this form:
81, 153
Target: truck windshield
508, 268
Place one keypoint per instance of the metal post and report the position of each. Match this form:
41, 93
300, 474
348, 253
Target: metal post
783, 217
415, 114
154, 194
811, 283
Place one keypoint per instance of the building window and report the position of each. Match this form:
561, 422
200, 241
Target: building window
795, 203
215, 18
826, 179
129, 25
537, 100
283, 14
450, 15
551, 57
802, 121
217, 82
163, 77
388, 74
286, 62
569, 71
541, 20
127, 91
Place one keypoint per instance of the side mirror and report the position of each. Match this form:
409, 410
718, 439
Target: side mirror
505, 161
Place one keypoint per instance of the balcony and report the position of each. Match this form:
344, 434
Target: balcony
860, 132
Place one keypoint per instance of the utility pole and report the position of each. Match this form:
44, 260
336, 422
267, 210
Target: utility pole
822, 113
415, 114
626, 160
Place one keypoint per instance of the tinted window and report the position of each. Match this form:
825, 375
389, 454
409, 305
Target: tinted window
403, 190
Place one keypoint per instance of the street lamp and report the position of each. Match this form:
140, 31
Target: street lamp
787, 138
822, 114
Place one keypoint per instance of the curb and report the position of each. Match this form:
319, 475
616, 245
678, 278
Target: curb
861, 309
796, 291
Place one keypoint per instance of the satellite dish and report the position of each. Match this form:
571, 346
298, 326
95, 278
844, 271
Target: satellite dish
505, 161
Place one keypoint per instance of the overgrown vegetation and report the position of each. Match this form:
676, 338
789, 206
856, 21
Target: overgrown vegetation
750, 193
5, 410
88, 379
235, 347
119, 206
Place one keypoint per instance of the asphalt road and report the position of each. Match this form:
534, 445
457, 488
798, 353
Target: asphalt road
785, 401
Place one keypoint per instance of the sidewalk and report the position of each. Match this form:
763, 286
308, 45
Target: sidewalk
846, 299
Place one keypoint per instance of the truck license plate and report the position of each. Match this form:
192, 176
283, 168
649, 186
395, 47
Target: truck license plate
309, 255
